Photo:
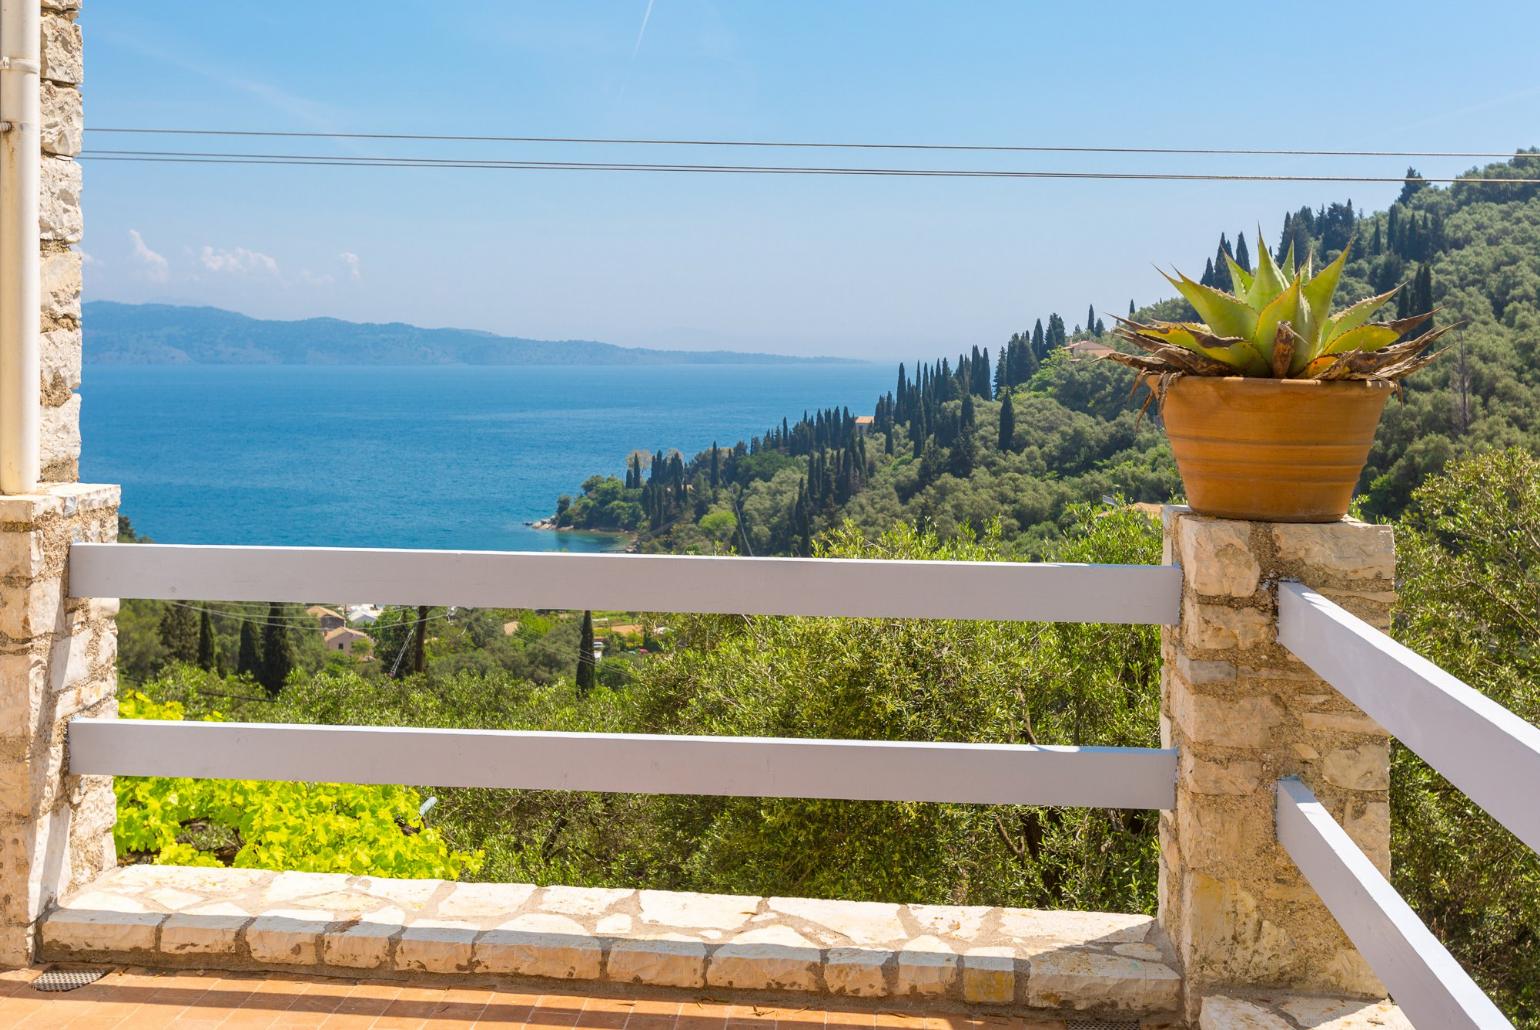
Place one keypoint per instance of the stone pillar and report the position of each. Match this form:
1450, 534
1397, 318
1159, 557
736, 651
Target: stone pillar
1243, 712
57, 660
57, 656
60, 227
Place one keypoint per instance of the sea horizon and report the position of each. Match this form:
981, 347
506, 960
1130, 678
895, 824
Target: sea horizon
433, 456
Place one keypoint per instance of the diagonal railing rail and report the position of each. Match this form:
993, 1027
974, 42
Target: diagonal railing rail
1426, 981
1478, 745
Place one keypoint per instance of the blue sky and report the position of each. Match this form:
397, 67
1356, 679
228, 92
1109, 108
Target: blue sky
877, 268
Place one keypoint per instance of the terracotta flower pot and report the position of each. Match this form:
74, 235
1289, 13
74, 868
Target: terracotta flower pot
1271, 450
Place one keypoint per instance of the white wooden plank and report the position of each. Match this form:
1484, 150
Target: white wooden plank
1478, 745
1419, 972
629, 763
630, 582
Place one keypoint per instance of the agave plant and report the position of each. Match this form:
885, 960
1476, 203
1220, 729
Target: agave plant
1278, 324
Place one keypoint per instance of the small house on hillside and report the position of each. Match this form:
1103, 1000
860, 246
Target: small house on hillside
344, 639
328, 618
865, 422
367, 614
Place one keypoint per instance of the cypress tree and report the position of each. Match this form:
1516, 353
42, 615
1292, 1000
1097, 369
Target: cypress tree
179, 633
1422, 291
1130, 307
585, 663
205, 641
1242, 254
248, 659
716, 467
1007, 424
420, 641
1038, 342
277, 651
1221, 269
1090, 320
1003, 368
1412, 186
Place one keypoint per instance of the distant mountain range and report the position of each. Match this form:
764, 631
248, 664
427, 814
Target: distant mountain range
168, 334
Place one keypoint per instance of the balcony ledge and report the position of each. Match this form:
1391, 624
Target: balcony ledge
934, 956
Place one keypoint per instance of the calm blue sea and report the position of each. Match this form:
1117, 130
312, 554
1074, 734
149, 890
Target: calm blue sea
447, 457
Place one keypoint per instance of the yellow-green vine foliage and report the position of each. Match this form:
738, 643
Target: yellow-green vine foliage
311, 827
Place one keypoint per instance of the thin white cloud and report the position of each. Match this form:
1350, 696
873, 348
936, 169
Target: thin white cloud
87, 259
310, 278
347, 257
155, 267
237, 261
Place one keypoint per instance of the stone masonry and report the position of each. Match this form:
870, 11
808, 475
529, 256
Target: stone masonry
60, 227
1243, 712
56, 655
891, 955
57, 660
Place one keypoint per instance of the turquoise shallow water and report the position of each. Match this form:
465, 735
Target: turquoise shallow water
451, 457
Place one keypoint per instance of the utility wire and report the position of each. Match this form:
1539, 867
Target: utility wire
789, 144
196, 157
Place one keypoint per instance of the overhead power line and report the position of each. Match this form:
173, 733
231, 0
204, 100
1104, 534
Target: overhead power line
318, 160
791, 144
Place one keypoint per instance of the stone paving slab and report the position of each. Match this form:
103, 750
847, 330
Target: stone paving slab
973, 957
1280, 1011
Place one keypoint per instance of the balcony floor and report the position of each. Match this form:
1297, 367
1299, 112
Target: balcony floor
131, 999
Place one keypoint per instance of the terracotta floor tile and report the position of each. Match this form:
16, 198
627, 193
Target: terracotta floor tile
147, 999
702, 1015
411, 1009
460, 1007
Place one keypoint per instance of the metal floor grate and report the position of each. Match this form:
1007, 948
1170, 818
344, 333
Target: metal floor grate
66, 979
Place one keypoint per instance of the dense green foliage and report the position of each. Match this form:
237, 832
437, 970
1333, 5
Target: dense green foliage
868, 679
312, 827
1469, 551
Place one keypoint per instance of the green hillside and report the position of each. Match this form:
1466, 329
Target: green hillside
935, 453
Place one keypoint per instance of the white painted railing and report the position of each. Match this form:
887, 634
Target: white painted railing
1426, 981
1477, 744
1104, 777
1014, 591
858, 770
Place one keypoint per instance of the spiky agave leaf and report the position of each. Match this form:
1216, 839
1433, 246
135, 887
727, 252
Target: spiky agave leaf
1355, 315
1223, 313
1235, 352
1318, 291
1238, 275
1283, 308
1276, 324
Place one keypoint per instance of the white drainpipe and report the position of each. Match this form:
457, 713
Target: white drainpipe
20, 291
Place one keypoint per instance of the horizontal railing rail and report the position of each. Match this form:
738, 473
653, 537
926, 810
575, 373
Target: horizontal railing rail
860, 770
1426, 981
1003, 591
1488, 752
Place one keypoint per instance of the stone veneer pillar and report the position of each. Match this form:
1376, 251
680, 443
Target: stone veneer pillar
1243, 712
57, 656
57, 661
60, 227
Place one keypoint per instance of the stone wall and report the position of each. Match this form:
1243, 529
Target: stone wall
1244, 713
57, 660
60, 227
